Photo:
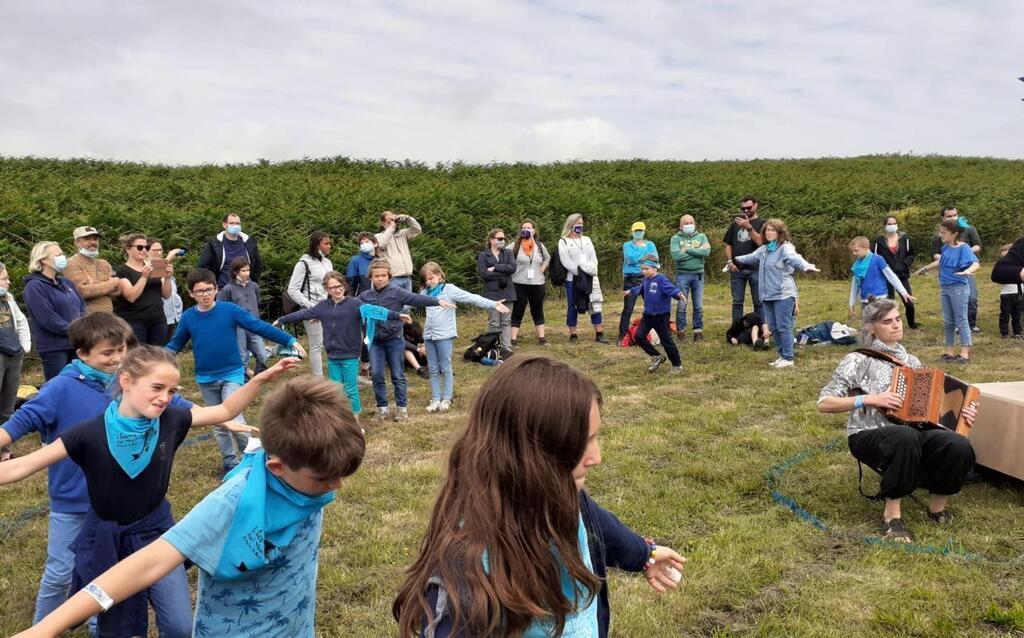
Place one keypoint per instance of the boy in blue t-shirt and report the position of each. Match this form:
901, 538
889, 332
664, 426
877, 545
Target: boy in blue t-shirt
220, 371
78, 393
658, 292
256, 538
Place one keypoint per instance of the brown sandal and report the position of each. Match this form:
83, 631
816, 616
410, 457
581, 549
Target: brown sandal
942, 518
896, 531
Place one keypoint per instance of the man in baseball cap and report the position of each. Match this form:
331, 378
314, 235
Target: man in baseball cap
93, 277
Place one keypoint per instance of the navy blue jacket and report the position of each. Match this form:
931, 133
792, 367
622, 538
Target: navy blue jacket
394, 298
342, 324
658, 293
52, 306
612, 544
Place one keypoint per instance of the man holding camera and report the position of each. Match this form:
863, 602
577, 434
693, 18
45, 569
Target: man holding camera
742, 238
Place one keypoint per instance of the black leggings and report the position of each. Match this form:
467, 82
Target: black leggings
908, 307
660, 324
908, 458
528, 294
153, 333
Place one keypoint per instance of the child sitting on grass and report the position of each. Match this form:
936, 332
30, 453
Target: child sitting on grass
387, 349
658, 292
212, 326
440, 331
256, 538
81, 391
342, 319
126, 456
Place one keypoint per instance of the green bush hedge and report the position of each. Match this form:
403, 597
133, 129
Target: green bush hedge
824, 201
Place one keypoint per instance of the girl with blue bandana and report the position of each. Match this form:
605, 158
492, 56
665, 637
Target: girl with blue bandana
126, 456
872, 277
514, 539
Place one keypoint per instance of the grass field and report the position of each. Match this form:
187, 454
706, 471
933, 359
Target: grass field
692, 460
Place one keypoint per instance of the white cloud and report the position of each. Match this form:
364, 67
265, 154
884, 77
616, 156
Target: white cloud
536, 80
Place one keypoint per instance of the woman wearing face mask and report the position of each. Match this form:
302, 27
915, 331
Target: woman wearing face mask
495, 266
894, 247
358, 272
52, 303
141, 303
633, 253
582, 287
306, 288
532, 260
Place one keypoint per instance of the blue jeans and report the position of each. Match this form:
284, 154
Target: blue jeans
404, 283
171, 603
439, 364
692, 284
628, 303
571, 314
250, 343
390, 353
346, 372
778, 315
60, 561
54, 361
737, 281
954, 299
214, 394
972, 301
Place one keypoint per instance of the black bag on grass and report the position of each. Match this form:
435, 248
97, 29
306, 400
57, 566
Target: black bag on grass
482, 345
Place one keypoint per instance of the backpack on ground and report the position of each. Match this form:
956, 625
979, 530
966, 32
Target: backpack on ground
484, 346
652, 337
556, 270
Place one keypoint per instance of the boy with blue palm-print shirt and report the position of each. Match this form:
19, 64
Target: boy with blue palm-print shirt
256, 538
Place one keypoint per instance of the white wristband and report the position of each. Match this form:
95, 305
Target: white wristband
100, 596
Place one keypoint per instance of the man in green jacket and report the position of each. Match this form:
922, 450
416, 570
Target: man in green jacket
689, 250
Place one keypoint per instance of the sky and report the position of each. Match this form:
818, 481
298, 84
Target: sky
208, 81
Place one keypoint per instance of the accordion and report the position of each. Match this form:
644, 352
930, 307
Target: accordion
931, 398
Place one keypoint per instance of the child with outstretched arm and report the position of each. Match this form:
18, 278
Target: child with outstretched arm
658, 292
310, 442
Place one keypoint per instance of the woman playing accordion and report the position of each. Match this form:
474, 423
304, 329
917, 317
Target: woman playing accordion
907, 458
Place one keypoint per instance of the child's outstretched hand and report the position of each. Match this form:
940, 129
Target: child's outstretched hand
501, 307
812, 268
444, 303
298, 348
909, 298
241, 428
658, 575
282, 366
405, 318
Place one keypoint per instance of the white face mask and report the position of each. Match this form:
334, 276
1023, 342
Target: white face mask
891, 228
366, 247
688, 229
85, 252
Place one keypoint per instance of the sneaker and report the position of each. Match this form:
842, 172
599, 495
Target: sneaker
364, 382
784, 363
698, 335
947, 358
432, 407
775, 363
504, 353
382, 414
444, 406
422, 372
573, 339
514, 343
680, 335
543, 341
656, 362
676, 370
401, 414
1018, 336
960, 359
975, 329
599, 337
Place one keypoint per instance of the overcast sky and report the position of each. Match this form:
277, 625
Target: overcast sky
200, 81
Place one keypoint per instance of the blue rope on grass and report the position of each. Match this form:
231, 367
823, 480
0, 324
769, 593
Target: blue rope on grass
11, 525
777, 472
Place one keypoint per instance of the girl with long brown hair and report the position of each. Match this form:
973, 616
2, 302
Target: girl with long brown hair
515, 546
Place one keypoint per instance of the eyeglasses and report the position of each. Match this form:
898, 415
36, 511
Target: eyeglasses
337, 287
746, 209
140, 247
499, 239
202, 292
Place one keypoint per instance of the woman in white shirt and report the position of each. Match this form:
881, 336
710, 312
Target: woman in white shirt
306, 288
578, 257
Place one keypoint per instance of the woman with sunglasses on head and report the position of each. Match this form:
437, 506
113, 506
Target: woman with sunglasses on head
141, 303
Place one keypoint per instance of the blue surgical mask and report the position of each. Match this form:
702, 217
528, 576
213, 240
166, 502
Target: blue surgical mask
234, 229
638, 234
688, 229
891, 228
578, 229
3, 292
85, 252
366, 247
60, 262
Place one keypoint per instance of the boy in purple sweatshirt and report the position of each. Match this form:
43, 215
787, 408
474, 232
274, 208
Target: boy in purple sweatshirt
658, 292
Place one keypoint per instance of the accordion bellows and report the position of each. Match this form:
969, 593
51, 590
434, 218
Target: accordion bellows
931, 398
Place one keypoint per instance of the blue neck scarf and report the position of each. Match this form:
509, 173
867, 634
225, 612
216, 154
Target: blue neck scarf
962, 222
772, 246
435, 291
371, 314
860, 267
268, 515
583, 622
90, 372
131, 441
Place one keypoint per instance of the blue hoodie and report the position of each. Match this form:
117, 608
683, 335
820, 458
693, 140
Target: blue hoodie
658, 292
52, 306
64, 401
358, 274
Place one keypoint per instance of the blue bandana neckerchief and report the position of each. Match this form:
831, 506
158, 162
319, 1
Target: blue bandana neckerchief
131, 441
962, 222
435, 291
266, 520
371, 314
860, 267
89, 372
772, 246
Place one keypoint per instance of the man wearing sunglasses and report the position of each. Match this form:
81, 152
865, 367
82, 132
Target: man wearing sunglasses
742, 238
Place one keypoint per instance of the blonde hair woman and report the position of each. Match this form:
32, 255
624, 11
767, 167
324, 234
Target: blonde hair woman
53, 303
582, 286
